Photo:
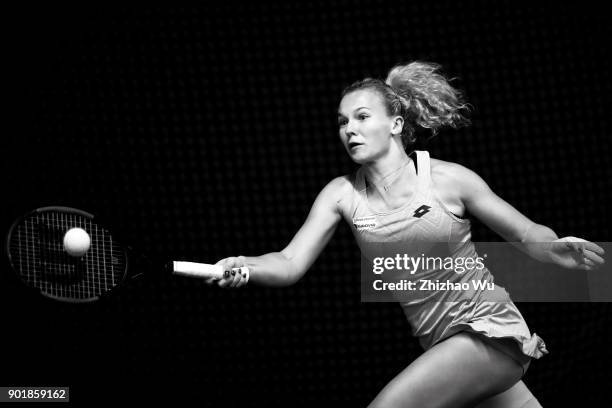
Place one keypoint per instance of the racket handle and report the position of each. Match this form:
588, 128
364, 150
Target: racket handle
205, 271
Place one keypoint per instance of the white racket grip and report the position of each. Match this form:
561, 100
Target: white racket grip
205, 271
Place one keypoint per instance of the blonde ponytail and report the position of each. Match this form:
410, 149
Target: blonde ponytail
430, 101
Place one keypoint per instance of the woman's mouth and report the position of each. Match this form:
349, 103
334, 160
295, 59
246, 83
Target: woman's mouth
354, 145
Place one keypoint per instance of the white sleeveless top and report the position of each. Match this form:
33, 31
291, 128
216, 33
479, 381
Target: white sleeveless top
436, 315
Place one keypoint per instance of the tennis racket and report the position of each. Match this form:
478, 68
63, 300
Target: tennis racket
41, 258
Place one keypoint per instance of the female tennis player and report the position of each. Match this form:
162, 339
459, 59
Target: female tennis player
478, 348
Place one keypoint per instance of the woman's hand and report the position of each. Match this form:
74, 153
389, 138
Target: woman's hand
576, 253
233, 279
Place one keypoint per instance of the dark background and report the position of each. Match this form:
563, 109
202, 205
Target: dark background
208, 132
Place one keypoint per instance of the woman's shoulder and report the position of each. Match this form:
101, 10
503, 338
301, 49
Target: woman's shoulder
455, 177
342, 184
449, 172
339, 187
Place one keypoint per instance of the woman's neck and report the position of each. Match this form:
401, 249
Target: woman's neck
384, 169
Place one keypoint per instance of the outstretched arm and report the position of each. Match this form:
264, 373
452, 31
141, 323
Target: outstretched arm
289, 265
538, 241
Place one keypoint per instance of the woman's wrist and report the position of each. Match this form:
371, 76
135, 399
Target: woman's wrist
537, 240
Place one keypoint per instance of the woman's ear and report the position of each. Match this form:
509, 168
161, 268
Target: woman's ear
397, 124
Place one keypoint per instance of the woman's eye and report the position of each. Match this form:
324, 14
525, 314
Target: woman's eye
341, 123
362, 117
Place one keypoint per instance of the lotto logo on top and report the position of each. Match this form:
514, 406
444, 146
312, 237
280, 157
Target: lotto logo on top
421, 211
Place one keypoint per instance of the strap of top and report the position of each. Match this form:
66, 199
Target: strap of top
423, 168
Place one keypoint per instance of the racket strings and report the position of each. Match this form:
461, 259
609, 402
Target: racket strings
37, 253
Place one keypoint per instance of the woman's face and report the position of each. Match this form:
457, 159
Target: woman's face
365, 127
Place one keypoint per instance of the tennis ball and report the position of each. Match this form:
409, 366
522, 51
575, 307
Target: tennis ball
76, 242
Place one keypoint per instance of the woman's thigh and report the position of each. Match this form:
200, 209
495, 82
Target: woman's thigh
517, 396
459, 371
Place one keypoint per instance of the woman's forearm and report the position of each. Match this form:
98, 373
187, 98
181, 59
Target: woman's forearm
535, 240
273, 269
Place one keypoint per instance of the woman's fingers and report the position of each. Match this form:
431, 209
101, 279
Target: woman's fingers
584, 247
232, 278
210, 281
588, 266
593, 247
588, 255
593, 257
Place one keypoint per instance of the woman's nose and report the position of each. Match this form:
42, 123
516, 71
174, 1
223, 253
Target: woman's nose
350, 128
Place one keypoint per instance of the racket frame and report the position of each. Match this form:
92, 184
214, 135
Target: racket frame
70, 210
